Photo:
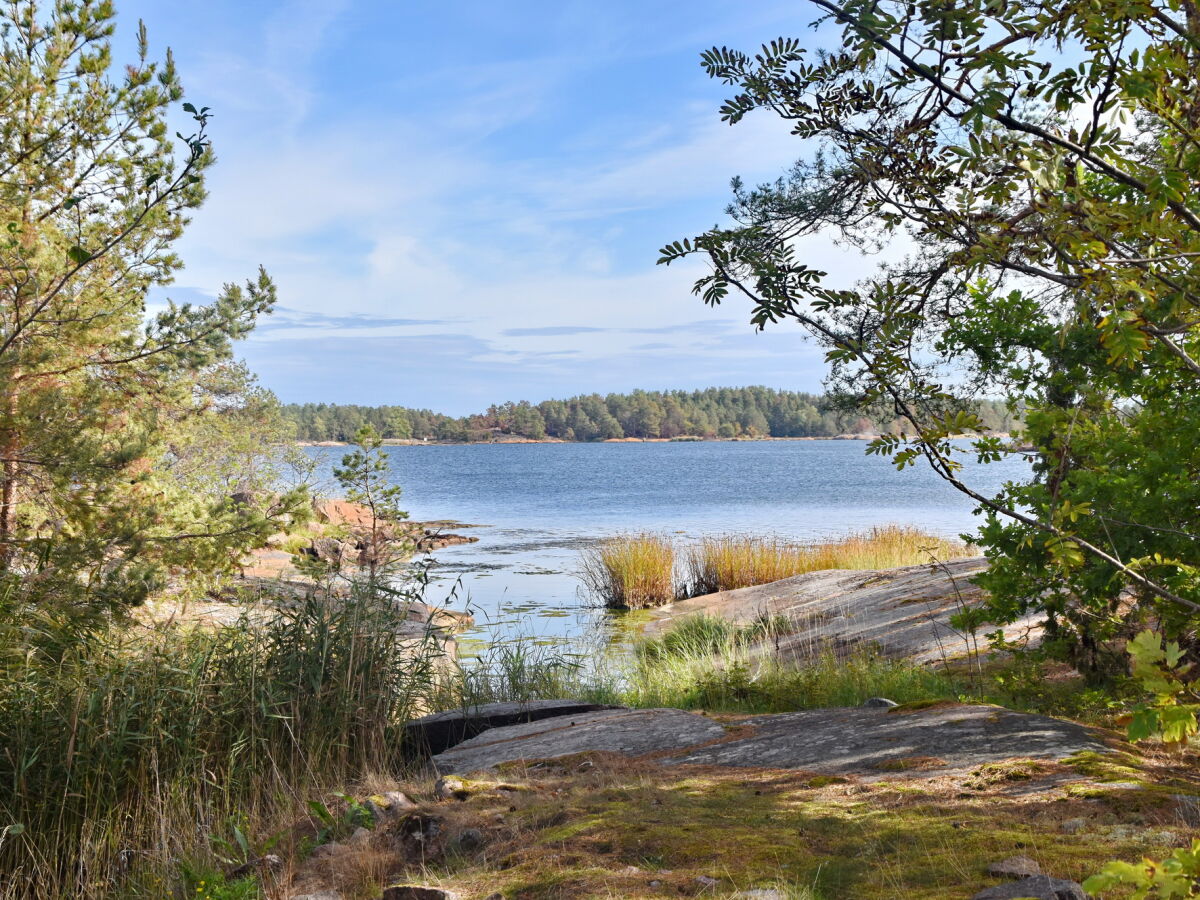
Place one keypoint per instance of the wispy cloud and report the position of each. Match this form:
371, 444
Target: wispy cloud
451, 186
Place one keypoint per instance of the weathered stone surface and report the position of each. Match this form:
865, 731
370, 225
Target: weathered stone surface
389, 805
904, 612
467, 841
857, 741
442, 730
1038, 887
852, 740
1015, 867
417, 892
631, 731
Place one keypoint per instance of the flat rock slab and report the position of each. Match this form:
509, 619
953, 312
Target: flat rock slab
904, 612
884, 743
630, 731
869, 743
443, 730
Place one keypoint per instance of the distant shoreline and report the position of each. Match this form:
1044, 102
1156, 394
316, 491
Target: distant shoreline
683, 439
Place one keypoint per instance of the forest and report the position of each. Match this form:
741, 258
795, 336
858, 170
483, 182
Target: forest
745, 412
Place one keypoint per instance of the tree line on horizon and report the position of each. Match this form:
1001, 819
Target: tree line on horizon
711, 413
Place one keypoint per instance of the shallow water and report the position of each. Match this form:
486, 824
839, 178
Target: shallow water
537, 505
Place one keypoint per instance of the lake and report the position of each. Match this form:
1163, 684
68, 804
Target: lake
537, 505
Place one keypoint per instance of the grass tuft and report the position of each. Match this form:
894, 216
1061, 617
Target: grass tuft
705, 662
631, 571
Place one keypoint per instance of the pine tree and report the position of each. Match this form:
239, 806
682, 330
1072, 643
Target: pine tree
94, 189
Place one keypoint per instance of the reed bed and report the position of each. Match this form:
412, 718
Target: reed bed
734, 561
129, 754
646, 570
633, 571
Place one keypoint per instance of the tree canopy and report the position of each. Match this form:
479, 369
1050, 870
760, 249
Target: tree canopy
98, 391
713, 412
1041, 161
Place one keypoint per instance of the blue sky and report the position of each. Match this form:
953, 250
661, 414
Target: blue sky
461, 202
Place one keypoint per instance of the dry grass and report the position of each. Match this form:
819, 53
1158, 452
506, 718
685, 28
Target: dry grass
631, 571
732, 561
637, 571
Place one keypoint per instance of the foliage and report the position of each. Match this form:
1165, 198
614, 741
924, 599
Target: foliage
637, 571
715, 412
1159, 669
707, 663
729, 562
354, 814
151, 740
1040, 161
363, 475
95, 389
1176, 876
1169, 717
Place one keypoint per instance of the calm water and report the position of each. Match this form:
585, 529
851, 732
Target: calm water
537, 505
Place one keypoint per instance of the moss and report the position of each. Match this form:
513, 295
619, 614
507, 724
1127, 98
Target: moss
1107, 766
909, 763
641, 830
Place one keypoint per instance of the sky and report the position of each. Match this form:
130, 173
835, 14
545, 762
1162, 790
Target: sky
462, 202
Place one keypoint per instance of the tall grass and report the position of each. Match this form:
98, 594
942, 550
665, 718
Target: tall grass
122, 754
705, 662
631, 571
640, 570
732, 561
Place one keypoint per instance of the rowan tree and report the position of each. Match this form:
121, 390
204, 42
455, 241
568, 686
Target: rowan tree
1041, 160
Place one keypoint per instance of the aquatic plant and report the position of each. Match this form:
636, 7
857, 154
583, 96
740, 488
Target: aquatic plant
631, 571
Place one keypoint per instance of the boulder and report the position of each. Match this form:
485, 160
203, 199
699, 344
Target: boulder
466, 842
868, 742
1014, 867
341, 512
1037, 887
442, 730
389, 805
843, 741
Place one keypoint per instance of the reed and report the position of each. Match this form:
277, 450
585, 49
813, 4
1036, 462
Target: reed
735, 561
631, 571
132, 751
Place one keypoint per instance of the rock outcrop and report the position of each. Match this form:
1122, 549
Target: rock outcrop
903, 612
440, 731
871, 743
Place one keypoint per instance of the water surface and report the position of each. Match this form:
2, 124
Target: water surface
537, 505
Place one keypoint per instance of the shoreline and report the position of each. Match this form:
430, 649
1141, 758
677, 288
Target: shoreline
683, 439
